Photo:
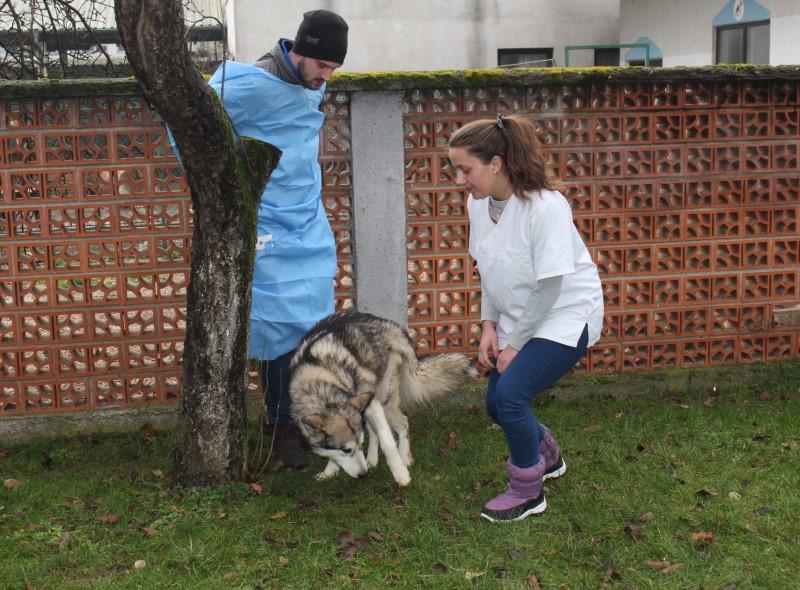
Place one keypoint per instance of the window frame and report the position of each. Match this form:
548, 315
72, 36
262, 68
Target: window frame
517, 50
743, 27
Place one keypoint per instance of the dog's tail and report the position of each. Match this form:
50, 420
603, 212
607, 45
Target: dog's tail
432, 377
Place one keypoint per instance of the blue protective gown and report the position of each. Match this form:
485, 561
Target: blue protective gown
295, 253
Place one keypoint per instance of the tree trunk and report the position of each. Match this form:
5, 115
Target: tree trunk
226, 179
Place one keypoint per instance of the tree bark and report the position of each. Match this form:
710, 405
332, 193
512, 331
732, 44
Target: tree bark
226, 179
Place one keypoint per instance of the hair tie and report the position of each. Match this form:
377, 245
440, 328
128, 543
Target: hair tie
499, 122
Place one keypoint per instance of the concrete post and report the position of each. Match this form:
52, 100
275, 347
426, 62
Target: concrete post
379, 212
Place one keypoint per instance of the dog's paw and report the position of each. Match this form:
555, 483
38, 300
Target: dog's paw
403, 480
372, 462
324, 475
408, 460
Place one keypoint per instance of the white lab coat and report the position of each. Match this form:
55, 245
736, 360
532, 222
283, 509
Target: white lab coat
533, 240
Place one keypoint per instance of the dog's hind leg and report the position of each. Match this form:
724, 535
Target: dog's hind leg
330, 470
399, 423
376, 417
372, 446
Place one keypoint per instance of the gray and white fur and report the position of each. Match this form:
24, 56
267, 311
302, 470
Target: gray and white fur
354, 370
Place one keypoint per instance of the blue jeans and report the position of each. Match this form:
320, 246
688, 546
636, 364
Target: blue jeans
536, 367
275, 379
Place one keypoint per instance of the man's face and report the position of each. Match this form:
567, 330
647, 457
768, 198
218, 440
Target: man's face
315, 72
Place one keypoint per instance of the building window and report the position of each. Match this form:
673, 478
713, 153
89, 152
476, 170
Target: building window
746, 43
606, 57
654, 63
532, 58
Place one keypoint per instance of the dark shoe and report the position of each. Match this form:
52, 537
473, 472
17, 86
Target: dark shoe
524, 496
553, 461
289, 446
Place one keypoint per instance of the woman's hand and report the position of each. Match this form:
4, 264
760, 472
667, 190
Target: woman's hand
505, 358
487, 350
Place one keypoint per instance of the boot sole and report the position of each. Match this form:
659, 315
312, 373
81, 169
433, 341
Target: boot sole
557, 470
505, 516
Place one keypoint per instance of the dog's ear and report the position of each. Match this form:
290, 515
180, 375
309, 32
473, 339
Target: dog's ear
315, 421
361, 401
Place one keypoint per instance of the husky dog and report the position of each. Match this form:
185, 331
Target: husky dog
353, 368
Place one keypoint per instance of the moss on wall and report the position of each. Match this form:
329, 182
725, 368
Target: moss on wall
407, 80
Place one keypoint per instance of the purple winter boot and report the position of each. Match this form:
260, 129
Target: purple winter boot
553, 462
523, 497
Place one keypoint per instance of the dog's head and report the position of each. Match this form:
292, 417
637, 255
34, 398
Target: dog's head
337, 434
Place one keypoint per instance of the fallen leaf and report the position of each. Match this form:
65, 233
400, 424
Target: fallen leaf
472, 575
751, 527
283, 560
3, 453
109, 518
139, 564
33, 527
157, 473
375, 536
634, 531
256, 488
765, 396
63, 541
646, 517
610, 575
658, 564
734, 496
704, 493
439, 568
671, 568
445, 514
19, 513
702, 538
278, 516
533, 582
12, 484
222, 513
683, 406
148, 432
229, 576
593, 428
762, 438
148, 530
709, 402
619, 414
452, 441
292, 543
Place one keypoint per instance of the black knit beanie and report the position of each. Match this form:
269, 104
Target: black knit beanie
322, 35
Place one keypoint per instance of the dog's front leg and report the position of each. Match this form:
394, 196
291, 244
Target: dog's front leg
376, 418
372, 446
330, 470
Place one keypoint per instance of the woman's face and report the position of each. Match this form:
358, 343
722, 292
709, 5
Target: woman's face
482, 180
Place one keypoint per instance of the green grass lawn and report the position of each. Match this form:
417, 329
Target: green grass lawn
686, 479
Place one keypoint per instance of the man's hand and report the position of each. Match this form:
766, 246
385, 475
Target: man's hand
487, 350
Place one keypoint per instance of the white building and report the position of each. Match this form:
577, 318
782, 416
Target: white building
436, 34
704, 32
455, 34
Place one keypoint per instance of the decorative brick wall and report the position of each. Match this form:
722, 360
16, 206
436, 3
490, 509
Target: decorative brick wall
95, 229
686, 192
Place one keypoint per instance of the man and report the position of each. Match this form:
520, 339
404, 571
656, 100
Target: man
277, 100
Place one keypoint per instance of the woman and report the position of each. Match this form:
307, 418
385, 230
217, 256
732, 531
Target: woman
541, 298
